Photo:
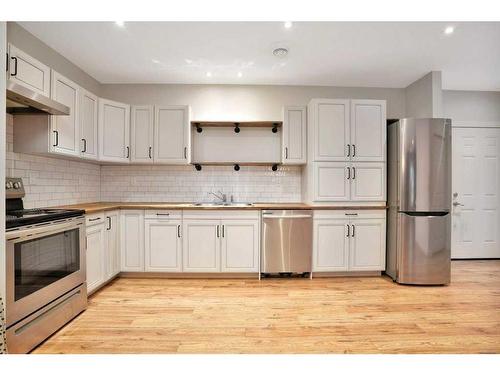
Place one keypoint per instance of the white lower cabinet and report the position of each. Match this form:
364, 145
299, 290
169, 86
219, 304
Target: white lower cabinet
349, 241
163, 244
201, 245
240, 246
112, 224
95, 256
132, 240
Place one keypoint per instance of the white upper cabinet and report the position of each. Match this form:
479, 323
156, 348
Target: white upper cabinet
88, 124
114, 131
240, 246
28, 71
368, 182
172, 135
329, 122
142, 132
331, 182
294, 135
65, 129
368, 130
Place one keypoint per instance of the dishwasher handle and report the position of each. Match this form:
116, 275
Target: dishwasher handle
271, 216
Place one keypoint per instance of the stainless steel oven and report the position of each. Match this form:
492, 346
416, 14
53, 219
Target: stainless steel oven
45, 266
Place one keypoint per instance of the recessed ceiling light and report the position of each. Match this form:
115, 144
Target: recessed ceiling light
240, 74
449, 30
280, 52
120, 23
288, 24
209, 74
155, 61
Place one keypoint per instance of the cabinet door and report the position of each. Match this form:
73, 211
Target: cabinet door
294, 135
132, 240
163, 245
114, 131
368, 130
331, 182
88, 125
141, 140
368, 182
330, 121
330, 245
201, 245
28, 71
95, 257
112, 224
65, 129
172, 135
240, 246
367, 251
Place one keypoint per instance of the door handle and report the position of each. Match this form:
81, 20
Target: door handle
15, 66
348, 231
223, 230
218, 232
109, 223
353, 173
353, 230
56, 133
128, 152
348, 150
185, 152
348, 173
179, 231
149, 151
286, 152
353, 150
457, 204
84, 145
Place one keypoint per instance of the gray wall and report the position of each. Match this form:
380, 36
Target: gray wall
424, 97
246, 102
39, 50
472, 105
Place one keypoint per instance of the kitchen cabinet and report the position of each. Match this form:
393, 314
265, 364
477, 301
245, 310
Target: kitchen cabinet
367, 182
65, 129
142, 134
201, 245
95, 256
349, 241
132, 240
368, 130
172, 135
114, 131
163, 242
240, 246
88, 124
28, 71
331, 182
112, 225
294, 135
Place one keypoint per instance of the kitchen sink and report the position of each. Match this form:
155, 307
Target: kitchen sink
221, 204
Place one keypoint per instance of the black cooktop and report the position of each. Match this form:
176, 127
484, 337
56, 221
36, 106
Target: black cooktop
18, 218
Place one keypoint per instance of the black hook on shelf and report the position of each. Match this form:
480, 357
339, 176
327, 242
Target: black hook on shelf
199, 129
197, 167
275, 128
236, 167
236, 127
274, 167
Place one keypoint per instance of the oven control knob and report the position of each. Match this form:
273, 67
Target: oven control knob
17, 185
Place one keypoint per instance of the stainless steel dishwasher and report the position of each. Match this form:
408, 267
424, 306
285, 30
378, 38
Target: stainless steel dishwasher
286, 241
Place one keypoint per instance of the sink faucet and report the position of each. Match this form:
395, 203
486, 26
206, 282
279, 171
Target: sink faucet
219, 195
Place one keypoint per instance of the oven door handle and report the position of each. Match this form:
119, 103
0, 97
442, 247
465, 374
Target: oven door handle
43, 230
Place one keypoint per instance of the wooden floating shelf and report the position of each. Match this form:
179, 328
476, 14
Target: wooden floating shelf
242, 163
240, 124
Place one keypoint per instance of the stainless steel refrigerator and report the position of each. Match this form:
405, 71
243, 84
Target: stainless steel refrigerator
419, 198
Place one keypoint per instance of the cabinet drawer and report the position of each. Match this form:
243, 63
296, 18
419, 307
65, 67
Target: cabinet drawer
349, 214
94, 219
163, 214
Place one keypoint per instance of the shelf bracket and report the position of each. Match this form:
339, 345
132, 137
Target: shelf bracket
275, 128
199, 129
274, 167
197, 167
236, 167
236, 127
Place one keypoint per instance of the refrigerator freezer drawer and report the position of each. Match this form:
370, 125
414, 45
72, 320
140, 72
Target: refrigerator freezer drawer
423, 249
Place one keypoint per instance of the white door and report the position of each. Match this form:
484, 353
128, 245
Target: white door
132, 240
28, 71
294, 135
172, 135
114, 131
331, 181
112, 224
367, 245
141, 139
163, 245
240, 246
476, 190
330, 245
88, 124
95, 257
65, 129
368, 130
201, 245
367, 182
330, 121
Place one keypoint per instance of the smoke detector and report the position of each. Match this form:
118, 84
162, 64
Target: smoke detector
280, 52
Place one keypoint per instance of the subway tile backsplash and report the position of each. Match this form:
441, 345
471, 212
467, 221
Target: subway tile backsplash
51, 181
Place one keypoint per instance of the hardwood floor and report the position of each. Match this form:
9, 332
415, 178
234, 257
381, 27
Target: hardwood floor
335, 315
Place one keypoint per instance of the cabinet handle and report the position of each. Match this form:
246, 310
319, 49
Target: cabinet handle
353, 150
348, 173
56, 133
179, 231
94, 219
286, 152
223, 230
218, 232
15, 66
354, 214
109, 223
353, 173
7, 62
84, 145
150, 153
185, 152
348, 150
160, 214
128, 152
348, 231
353, 230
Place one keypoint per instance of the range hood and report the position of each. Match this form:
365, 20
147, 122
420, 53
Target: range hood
22, 100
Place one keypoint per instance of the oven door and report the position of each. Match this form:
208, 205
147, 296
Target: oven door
43, 262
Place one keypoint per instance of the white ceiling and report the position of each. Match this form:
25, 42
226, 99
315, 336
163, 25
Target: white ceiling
321, 53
